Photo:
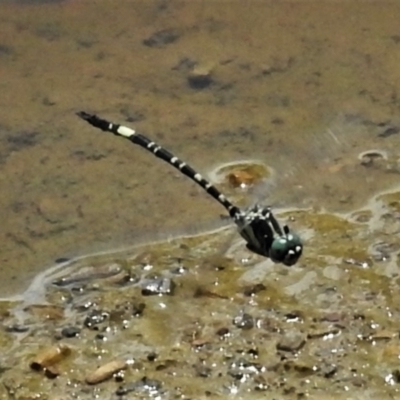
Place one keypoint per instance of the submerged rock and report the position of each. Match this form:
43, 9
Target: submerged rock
158, 286
95, 318
70, 331
244, 321
291, 341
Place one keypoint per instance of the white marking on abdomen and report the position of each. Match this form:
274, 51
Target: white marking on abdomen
222, 198
125, 131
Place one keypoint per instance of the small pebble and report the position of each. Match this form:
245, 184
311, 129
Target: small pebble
105, 372
16, 328
157, 286
70, 331
95, 318
244, 321
291, 342
253, 289
161, 38
200, 77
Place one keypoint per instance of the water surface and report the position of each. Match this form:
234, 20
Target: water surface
282, 73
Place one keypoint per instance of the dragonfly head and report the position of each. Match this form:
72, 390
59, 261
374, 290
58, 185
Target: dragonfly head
286, 249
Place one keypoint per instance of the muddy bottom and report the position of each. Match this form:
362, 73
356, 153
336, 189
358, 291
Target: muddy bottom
211, 83
308, 88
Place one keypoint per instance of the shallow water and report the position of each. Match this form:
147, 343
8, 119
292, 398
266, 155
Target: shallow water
281, 70
180, 319
282, 73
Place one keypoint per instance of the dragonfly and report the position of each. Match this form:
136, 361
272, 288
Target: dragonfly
257, 224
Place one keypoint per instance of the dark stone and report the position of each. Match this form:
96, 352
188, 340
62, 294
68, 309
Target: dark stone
84, 306
396, 375
51, 373
244, 321
137, 309
119, 376
184, 64
124, 312
241, 368
200, 81
392, 130
328, 370
16, 328
70, 331
254, 289
382, 251
223, 331
253, 352
94, 318
161, 38
101, 336
61, 260
22, 140
152, 356
294, 315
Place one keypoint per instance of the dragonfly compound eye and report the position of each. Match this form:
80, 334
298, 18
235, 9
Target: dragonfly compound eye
286, 249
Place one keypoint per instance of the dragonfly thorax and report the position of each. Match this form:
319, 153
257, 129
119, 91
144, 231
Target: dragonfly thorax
264, 235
